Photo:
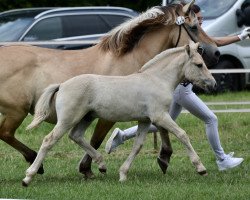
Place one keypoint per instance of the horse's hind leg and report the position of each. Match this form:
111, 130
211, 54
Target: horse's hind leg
76, 134
101, 130
8, 127
165, 152
142, 130
48, 142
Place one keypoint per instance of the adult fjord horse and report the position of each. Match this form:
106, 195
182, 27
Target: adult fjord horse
27, 70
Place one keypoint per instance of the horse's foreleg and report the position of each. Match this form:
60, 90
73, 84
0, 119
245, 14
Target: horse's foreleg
166, 122
142, 130
101, 130
165, 152
7, 131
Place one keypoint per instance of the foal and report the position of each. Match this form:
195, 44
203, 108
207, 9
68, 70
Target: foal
145, 96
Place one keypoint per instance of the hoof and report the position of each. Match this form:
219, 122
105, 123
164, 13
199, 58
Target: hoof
122, 179
163, 165
40, 170
123, 176
88, 174
24, 184
103, 170
203, 173
26, 181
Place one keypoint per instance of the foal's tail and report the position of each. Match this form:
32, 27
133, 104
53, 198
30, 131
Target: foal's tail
43, 106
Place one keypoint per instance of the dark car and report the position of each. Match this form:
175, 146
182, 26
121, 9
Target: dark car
68, 28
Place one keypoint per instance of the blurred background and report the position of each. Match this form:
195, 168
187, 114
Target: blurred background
138, 5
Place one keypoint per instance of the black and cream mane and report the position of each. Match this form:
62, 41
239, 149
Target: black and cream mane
126, 36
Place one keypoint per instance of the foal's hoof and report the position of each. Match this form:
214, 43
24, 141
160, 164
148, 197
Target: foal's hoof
103, 170
26, 181
163, 165
123, 178
203, 173
24, 184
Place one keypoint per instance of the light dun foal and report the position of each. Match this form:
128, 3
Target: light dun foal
145, 97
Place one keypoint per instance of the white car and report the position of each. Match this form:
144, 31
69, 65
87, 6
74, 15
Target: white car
223, 18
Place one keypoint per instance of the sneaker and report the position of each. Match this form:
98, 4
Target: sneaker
114, 141
229, 162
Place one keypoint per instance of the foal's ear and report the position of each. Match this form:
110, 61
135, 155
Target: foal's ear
188, 50
187, 7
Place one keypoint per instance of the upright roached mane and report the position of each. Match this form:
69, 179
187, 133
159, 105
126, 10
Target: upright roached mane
156, 59
124, 38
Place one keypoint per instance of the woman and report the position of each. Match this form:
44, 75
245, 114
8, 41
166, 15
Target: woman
184, 97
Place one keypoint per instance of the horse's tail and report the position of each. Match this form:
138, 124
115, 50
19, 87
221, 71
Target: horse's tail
43, 106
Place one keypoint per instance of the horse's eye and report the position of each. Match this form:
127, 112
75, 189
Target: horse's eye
199, 65
200, 50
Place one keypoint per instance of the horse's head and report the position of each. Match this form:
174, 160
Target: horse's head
195, 70
189, 28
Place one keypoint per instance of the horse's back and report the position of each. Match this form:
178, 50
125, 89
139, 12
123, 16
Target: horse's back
26, 70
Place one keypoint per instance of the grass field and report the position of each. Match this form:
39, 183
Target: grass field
61, 179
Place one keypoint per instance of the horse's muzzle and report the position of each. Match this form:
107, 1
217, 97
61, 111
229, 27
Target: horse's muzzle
210, 55
210, 86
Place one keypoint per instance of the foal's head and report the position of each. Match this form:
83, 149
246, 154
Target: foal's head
195, 70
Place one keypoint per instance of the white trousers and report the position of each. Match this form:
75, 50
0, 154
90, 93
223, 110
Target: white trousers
184, 97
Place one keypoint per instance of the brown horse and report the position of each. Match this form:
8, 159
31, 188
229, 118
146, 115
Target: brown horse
27, 70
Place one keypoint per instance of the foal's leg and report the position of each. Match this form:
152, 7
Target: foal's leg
166, 122
138, 142
48, 143
76, 134
165, 152
101, 130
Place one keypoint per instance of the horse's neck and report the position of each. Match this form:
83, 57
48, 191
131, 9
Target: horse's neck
152, 44
168, 70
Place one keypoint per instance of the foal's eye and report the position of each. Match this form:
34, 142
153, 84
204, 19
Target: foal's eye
200, 50
199, 65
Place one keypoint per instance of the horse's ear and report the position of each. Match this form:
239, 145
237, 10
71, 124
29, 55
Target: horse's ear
187, 7
194, 45
188, 50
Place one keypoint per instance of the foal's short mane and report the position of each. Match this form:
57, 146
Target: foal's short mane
158, 57
125, 37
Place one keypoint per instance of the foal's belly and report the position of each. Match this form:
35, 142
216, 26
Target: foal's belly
121, 114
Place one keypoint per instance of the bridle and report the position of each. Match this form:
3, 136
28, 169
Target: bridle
200, 49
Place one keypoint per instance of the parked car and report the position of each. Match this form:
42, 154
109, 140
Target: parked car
77, 24
223, 18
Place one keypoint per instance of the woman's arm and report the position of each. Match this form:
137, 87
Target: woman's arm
222, 41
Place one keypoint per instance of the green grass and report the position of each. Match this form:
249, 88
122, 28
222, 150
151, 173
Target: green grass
145, 180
